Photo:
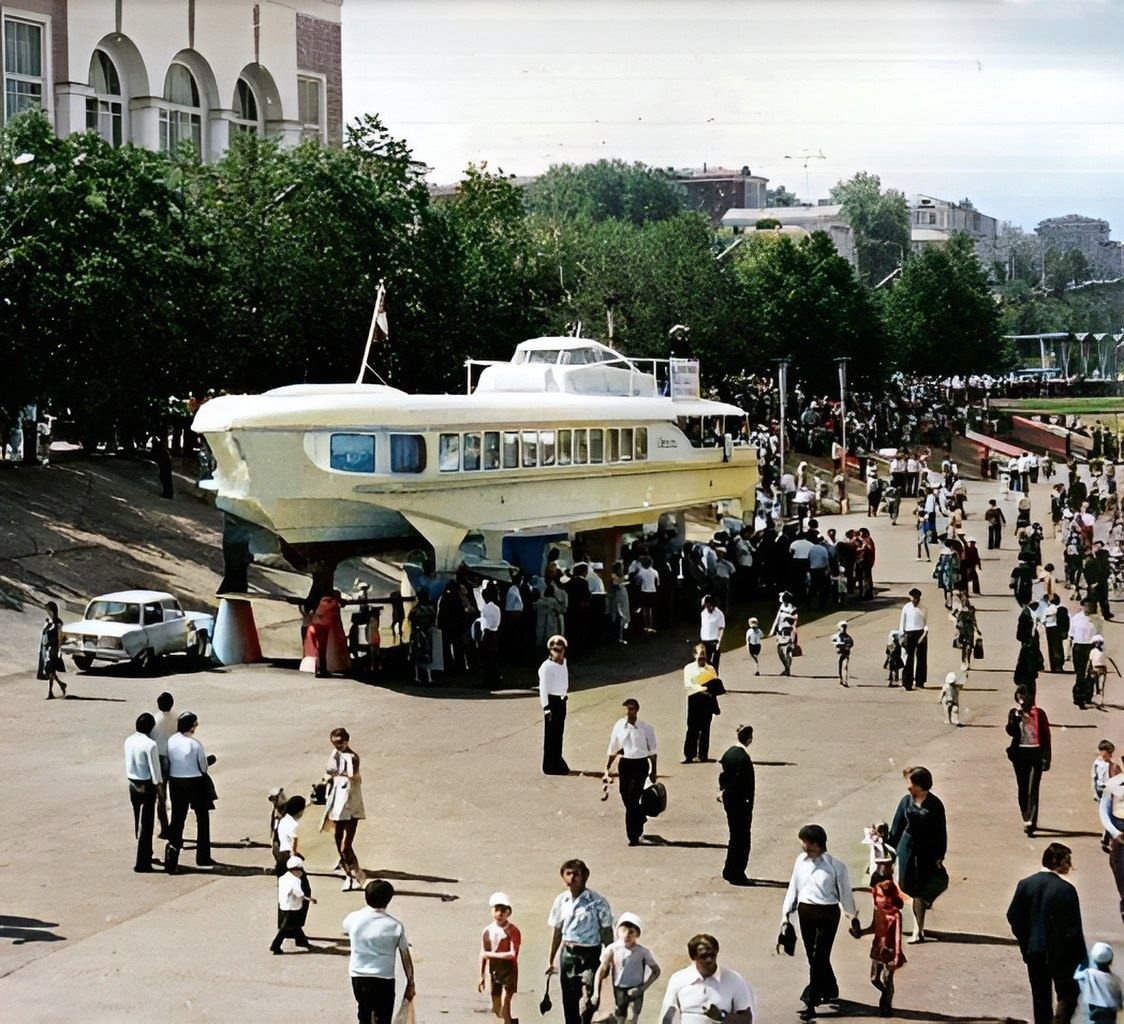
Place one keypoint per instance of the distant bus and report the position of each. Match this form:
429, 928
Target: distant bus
1038, 373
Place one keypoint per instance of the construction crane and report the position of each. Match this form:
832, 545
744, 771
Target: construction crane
805, 156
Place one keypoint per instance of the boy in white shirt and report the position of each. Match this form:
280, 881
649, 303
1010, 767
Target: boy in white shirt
950, 697
291, 899
753, 644
1104, 768
1099, 987
633, 968
288, 844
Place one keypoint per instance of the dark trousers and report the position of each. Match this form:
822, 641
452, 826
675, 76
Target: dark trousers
700, 710
579, 965
916, 652
195, 794
818, 925
712, 653
489, 652
1045, 980
994, 535
554, 730
290, 926
1055, 649
142, 795
375, 999
739, 821
819, 589
633, 774
1028, 776
1081, 659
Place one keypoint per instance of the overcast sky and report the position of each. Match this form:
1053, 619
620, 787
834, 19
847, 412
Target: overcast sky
1018, 105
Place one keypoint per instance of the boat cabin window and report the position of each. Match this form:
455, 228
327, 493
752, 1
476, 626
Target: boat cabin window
565, 447
581, 447
579, 356
353, 453
407, 453
510, 449
546, 448
470, 453
641, 447
530, 447
541, 355
613, 445
692, 427
491, 449
449, 453
596, 445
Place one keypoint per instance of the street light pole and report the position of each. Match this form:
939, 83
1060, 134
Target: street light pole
841, 362
782, 387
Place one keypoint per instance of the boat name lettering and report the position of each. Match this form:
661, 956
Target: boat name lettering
668, 442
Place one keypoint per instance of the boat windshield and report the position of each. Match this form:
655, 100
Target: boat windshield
540, 355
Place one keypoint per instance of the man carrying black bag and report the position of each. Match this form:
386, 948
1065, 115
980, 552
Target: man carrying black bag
737, 784
635, 743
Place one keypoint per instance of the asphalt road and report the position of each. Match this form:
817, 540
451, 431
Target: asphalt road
457, 808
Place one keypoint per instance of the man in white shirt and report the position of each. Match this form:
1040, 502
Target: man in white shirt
190, 788
712, 624
376, 938
634, 742
647, 582
1081, 632
164, 730
554, 687
703, 992
142, 769
488, 631
819, 886
916, 645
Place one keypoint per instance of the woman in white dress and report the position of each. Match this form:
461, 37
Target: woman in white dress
345, 806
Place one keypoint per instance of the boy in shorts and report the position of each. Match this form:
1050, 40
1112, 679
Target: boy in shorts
753, 644
499, 957
633, 968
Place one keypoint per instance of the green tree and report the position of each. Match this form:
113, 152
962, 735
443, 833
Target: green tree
941, 316
880, 221
607, 189
780, 196
802, 300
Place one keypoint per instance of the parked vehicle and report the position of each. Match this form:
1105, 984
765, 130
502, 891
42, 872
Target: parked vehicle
137, 626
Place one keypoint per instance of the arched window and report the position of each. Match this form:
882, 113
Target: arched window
104, 111
246, 110
181, 116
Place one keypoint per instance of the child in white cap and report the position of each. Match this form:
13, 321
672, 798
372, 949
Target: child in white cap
843, 642
291, 900
1099, 987
633, 968
950, 697
753, 643
499, 956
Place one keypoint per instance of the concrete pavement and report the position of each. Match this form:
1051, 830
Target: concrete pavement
457, 808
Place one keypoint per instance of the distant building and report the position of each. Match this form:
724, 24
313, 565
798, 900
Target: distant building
718, 189
798, 220
157, 74
932, 222
1089, 235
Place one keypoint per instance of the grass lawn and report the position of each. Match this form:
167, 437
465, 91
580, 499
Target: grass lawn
1068, 406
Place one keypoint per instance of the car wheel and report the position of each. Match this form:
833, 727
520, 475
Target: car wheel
197, 655
82, 662
145, 661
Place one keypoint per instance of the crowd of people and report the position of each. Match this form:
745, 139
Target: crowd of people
596, 955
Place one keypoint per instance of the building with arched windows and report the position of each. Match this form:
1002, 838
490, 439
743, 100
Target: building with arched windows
160, 72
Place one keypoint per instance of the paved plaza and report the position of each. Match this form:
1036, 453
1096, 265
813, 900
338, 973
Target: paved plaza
457, 808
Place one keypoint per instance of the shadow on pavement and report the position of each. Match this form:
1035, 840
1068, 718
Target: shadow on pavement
847, 1008
406, 876
27, 929
690, 844
972, 939
112, 700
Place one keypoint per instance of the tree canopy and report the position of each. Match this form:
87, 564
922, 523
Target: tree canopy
607, 189
880, 221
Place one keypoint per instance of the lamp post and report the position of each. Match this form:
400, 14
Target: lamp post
841, 362
782, 387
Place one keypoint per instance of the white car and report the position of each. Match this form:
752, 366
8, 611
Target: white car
138, 626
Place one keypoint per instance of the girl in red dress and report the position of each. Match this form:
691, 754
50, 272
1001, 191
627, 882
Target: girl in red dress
886, 950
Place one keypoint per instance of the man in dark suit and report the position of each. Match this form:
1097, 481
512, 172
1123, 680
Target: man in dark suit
1045, 916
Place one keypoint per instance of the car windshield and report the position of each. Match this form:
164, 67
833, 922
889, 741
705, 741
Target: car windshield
113, 611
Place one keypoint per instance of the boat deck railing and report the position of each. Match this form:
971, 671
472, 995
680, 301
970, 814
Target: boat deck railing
648, 378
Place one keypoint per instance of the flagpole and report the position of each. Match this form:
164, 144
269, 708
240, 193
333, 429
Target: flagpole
371, 332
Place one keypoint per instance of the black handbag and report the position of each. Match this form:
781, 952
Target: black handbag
653, 801
978, 649
937, 883
786, 940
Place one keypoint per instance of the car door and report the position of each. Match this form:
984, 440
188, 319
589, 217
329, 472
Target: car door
176, 625
156, 629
